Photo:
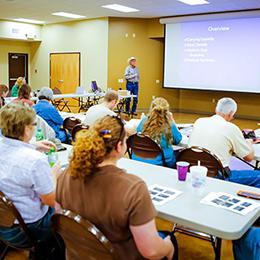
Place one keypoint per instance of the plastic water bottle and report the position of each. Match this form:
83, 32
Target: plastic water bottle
142, 116
52, 157
39, 135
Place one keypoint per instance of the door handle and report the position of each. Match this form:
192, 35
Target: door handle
61, 80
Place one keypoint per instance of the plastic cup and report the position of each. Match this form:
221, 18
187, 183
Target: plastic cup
182, 168
198, 176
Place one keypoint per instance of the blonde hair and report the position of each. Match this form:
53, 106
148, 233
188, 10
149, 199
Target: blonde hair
110, 96
19, 82
158, 122
93, 146
14, 117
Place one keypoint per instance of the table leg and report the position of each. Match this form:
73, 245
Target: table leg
218, 248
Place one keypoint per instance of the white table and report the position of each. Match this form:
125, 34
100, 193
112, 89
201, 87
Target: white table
186, 209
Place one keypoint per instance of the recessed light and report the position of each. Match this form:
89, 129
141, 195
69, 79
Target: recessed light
24, 20
194, 2
121, 8
69, 15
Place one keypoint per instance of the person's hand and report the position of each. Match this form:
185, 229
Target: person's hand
170, 245
170, 116
44, 146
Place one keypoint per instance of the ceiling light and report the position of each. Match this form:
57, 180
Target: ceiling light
121, 8
69, 15
194, 2
24, 20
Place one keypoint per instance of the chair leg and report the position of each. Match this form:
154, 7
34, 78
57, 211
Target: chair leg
4, 252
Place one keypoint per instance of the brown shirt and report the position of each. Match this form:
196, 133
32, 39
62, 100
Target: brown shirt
112, 200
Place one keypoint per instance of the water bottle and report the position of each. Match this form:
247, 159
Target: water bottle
39, 135
142, 116
52, 157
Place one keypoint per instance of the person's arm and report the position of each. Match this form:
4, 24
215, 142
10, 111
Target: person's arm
240, 146
149, 243
44, 146
176, 134
55, 116
42, 182
128, 74
48, 199
250, 156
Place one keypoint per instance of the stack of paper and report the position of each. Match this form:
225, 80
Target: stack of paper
230, 202
160, 194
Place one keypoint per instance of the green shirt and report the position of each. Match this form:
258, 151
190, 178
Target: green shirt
14, 92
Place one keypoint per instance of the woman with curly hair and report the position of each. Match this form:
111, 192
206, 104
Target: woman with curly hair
117, 203
160, 126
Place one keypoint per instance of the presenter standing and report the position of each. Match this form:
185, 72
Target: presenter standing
132, 77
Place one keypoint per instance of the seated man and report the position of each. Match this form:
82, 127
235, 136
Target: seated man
248, 247
25, 176
104, 109
223, 138
50, 114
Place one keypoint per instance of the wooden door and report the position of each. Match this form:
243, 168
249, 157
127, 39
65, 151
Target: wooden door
18, 67
65, 71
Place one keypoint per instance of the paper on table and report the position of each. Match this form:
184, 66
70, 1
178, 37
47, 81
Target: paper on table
230, 202
161, 195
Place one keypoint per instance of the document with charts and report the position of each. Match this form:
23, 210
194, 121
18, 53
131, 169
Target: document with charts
230, 202
161, 194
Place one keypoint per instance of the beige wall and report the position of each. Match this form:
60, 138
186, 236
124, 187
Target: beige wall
89, 37
7, 46
131, 37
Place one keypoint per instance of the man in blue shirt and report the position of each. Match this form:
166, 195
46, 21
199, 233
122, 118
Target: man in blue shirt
132, 77
49, 113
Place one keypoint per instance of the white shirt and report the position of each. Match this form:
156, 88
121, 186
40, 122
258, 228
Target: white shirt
25, 174
97, 112
220, 137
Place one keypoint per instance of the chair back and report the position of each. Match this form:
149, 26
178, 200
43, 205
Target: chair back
76, 129
56, 91
206, 158
8, 215
143, 147
70, 122
82, 239
48, 132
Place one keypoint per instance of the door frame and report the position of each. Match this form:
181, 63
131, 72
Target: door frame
70, 52
26, 65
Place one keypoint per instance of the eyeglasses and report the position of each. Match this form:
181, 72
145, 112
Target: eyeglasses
34, 124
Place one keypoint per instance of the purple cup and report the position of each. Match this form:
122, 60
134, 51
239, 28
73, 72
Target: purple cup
182, 168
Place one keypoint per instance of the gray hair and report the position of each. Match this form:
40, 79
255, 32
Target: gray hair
46, 92
226, 106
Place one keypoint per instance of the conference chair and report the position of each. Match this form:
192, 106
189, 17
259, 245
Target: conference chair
70, 122
76, 129
82, 239
60, 103
194, 154
144, 147
215, 168
8, 215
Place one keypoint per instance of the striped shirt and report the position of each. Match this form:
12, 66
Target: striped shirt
132, 74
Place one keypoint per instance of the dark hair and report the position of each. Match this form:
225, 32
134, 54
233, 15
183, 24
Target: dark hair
3, 89
43, 97
24, 91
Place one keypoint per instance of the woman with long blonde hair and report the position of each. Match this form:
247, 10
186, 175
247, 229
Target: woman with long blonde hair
117, 203
19, 82
160, 126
